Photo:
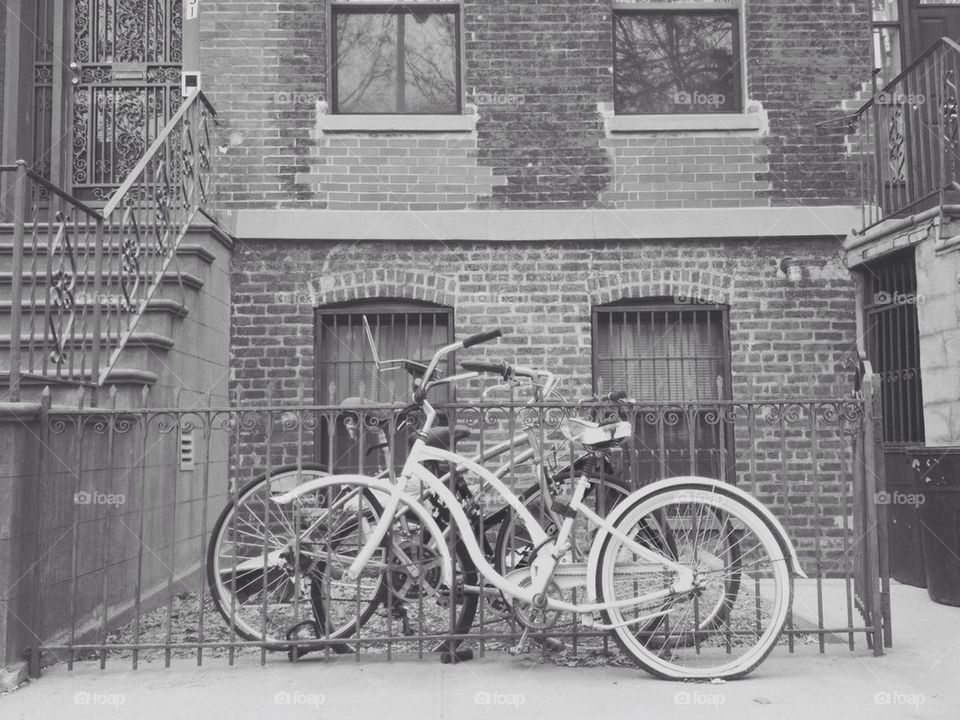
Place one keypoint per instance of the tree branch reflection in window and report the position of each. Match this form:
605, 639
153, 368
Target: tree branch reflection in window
396, 60
677, 62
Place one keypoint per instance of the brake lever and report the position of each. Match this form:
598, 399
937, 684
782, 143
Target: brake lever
510, 384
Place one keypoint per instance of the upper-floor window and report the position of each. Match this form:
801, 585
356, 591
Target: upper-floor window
886, 39
400, 58
679, 57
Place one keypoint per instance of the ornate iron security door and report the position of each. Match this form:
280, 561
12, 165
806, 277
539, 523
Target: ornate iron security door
126, 64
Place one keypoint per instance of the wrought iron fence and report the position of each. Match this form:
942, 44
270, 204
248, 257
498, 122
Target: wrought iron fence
907, 138
81, 278
159, 538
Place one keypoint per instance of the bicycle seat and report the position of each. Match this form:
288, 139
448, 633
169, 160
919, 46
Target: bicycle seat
439, 437
596, 436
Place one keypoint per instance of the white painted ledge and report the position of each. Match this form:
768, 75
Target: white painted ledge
396, 123
688, 122
539, 225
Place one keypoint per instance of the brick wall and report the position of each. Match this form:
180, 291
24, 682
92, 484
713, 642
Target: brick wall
390, 172
264, 68
661, 170
786, 340
803, 60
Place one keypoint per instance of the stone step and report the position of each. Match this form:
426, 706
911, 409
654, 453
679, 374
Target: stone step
144, 351
159, 317
72, 392
171, 282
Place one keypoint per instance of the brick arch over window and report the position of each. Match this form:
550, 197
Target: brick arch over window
682, 284
383, 283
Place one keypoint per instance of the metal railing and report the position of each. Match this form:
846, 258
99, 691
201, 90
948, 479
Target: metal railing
156, 481
81, 277
907, 138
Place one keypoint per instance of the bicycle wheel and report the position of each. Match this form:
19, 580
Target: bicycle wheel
298, 580
668, 638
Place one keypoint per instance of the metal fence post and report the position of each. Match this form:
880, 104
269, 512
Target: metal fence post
36, 509
21, 212
871, 525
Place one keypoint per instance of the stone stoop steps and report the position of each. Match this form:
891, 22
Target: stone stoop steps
199, 290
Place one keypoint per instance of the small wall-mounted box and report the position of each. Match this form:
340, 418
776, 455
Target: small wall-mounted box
189, 81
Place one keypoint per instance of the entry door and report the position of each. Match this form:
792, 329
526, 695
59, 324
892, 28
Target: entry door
124, 85
127, 57
927, 22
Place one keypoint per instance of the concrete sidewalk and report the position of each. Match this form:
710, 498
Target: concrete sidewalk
918, 678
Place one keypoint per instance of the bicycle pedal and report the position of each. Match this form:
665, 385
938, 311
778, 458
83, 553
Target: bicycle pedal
458, 656
523, 645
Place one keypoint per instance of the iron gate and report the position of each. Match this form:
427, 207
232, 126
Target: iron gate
893, 343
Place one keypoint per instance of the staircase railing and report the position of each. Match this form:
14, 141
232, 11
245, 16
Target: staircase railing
906, 137
92, 274
54, 324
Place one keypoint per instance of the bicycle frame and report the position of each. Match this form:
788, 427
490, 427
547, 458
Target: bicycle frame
550, 551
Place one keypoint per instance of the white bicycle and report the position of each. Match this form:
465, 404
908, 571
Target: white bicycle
658, 565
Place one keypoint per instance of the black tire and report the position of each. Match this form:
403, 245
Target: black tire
222, 597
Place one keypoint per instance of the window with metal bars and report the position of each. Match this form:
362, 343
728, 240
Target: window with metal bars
892, 336
677, 357
345, 368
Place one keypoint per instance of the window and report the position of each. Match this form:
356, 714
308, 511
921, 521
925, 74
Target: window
886, 39
893, 344
401, 58
677, 357
345, 368
682, 58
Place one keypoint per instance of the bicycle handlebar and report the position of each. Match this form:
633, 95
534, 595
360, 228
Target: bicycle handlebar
426, 381
500, 368
482, 338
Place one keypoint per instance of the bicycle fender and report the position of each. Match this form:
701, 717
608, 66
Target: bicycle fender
708, 485
387, 488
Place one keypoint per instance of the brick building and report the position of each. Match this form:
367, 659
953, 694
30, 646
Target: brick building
647, 196
638, 194
530, 198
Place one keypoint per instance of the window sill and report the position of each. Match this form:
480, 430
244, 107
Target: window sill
677, 123
397, 123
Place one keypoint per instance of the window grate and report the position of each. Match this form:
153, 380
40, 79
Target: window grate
659, 352
345, 368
